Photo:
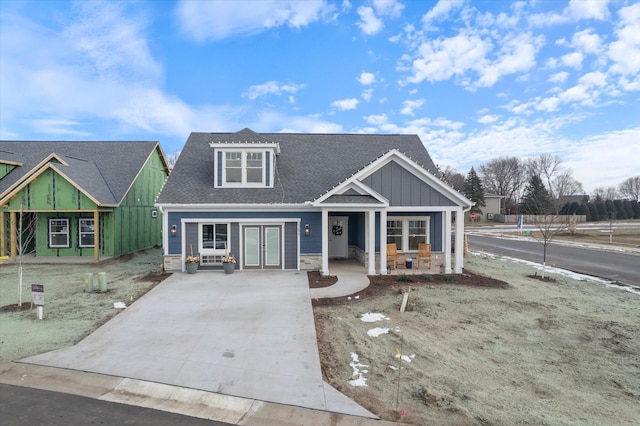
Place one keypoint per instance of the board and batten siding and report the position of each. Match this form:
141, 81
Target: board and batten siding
403, 188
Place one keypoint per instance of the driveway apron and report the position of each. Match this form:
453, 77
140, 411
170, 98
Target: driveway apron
247, 334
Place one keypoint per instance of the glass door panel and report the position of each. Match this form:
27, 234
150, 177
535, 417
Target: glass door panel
252, 246
272, 246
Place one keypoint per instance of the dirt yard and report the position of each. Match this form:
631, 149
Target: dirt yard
484, 352
70, 312
501, 349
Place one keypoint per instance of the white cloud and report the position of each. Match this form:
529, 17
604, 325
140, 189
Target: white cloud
559, 77
367, 94
369, 23
441, 11
366, 78
271, 87
576, 10
625, 52
587, 41
346, 104
488, 119
443, 58
392, 8
410, 106
581, 9
517, 54
215, 20
615, 159
573, 60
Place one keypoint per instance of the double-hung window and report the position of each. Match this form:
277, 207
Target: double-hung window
214, 238
407, 232
244, 167
86, 232
58, 233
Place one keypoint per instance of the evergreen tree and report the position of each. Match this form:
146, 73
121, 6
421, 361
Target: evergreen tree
474, 191
536, 198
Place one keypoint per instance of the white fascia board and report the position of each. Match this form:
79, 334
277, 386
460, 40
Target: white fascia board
234, 207
418, 171
351, 183
265, 221
245, 145
352, 207
423, 209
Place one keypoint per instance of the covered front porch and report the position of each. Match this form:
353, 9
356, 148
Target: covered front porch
362, 233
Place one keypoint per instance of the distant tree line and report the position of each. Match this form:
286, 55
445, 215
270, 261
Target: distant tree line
543, 185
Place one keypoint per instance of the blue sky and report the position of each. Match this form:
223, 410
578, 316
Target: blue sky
475, 80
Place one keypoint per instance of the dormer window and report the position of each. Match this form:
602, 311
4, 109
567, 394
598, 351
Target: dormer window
244, 165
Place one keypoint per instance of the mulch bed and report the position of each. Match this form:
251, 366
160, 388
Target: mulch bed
384, 285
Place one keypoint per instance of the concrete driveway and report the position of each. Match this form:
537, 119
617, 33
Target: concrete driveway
247, 334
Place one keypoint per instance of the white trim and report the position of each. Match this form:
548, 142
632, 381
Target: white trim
347, 185
409, 165
274, 146
67, 232
405, 230
447, 242
214, 251
212, 208
257, 221
80, 233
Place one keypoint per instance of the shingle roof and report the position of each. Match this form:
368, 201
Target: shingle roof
105, 170
308, 166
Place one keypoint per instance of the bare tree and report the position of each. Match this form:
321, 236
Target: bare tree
172, 158
454, 178
504, 176
630, 189
537, 203
558, 179
564, 185
25, 243
602, 193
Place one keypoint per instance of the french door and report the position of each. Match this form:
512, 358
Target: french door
262, 247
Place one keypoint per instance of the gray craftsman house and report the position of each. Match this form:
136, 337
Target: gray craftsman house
295, 201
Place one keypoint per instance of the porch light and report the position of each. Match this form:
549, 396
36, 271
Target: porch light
174, 230
307, 230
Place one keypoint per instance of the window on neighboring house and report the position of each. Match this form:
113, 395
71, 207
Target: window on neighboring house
86, 232
213, 238
243, 167
407, 232
58, 233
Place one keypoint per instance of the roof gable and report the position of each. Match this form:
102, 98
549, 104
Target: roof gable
399, 181
103, 171
308, 166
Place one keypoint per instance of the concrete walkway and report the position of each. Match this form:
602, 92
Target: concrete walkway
352, 278
248, 334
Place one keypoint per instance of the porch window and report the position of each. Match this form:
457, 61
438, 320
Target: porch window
213, 238
244, 167
58, 233
86, 232
407, 232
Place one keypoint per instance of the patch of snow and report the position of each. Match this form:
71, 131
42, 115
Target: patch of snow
373, 317
566, 273
406, 358
375, 332
119, 305
357, 377
393, 367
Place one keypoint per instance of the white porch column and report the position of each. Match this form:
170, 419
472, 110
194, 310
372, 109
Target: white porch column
447, 242
383, 242
325, 242
371, 242
459, 259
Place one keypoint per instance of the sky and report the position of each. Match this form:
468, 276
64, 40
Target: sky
475, 80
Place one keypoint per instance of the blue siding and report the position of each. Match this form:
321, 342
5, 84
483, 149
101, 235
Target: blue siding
219, 168
268, 168
403, 188
311, 244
